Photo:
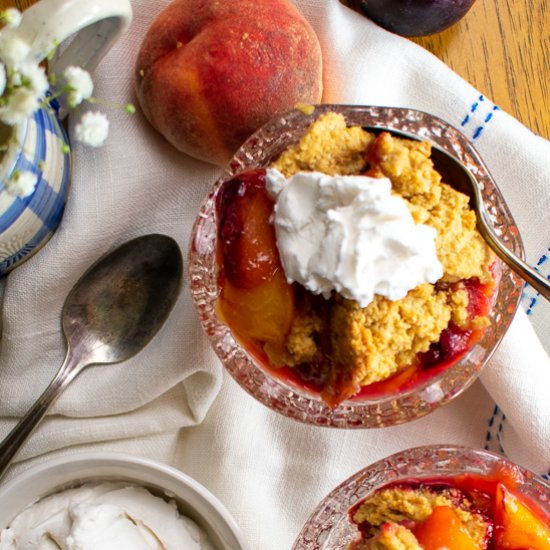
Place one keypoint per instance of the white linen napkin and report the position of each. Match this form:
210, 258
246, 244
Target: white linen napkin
268, 470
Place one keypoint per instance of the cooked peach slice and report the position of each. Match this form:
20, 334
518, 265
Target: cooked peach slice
443, 529
516, 525
263, 312
247, 237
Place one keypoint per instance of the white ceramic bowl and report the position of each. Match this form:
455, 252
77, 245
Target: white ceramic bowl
194, 500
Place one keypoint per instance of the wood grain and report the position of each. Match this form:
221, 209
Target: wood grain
502, 47
21, 4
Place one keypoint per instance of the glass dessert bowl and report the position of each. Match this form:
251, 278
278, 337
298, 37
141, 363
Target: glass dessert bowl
442, 495
254, 316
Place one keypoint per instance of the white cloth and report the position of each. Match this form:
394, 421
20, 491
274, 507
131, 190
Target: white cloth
268, 470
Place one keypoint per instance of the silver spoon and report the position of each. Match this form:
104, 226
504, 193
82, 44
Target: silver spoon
462, 180
110, 314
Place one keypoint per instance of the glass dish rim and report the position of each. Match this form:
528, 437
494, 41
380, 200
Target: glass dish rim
330, 519
257, 152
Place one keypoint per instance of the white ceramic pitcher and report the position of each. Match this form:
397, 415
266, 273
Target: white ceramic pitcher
40, 144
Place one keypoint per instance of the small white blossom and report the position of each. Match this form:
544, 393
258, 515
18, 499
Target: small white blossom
11, 17
80, 83
13, 50
92, 129
24, 88
22, 184
34, 76
21, 104
2, 78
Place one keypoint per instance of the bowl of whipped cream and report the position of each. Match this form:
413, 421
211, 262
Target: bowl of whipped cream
111, 500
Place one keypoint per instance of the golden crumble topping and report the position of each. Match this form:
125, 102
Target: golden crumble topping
460, 248
391, 536
386, 335
407, 164
329, 147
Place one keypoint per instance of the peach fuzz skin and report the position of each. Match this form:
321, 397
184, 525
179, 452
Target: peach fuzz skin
210, 72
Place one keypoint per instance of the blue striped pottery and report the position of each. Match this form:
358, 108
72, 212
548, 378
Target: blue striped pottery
40, 145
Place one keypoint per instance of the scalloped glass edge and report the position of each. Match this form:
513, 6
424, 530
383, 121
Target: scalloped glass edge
257, 152
329, 527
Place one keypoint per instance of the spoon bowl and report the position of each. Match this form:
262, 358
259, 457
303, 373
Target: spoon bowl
120, 303
111, 313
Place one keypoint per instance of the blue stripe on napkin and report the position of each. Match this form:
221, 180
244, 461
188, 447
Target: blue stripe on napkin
493, 438
530, 296
481, 112
495, 435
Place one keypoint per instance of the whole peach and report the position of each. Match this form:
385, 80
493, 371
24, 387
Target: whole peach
211, 72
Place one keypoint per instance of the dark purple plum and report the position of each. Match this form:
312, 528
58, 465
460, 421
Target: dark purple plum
414, 17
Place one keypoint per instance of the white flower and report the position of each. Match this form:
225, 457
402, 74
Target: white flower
11, 17
21, 104
22, 184
34, 76
80, 83
2, 78
92, 129
24, 88
13, 50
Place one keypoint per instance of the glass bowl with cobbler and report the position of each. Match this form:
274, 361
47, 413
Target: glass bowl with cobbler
339, 274
432, 497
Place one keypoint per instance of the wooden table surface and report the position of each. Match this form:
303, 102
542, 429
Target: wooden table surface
502, 47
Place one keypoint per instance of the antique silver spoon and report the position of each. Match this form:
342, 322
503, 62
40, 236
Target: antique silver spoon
462, 179
110, 314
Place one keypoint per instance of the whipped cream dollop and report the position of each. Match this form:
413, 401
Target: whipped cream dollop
351, 235
103, 516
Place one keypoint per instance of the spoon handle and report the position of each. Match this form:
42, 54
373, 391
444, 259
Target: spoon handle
517, 265
23, 429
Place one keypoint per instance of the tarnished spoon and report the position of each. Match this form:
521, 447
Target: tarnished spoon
110, 314
463, 180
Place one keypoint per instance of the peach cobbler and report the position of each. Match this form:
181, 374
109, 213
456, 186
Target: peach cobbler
466, 512
332, 344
